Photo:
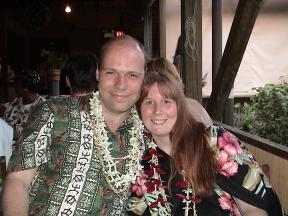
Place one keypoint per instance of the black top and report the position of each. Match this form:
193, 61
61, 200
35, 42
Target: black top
262, 196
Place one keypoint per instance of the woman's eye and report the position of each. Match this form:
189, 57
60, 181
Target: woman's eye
147, 102
166, 101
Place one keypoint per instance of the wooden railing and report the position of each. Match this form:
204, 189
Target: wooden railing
271, 155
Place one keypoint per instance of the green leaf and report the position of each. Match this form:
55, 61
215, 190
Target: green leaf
267, 113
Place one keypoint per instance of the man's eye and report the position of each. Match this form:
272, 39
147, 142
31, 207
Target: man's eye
109, 72
133, 75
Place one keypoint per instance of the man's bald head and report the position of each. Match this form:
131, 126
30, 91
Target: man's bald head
123, 41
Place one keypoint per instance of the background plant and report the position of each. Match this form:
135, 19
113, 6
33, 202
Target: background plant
267, 114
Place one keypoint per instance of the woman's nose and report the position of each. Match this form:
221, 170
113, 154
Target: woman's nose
157, 108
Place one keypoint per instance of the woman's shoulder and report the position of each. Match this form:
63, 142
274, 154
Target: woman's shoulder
229, 150
234, 159
220, 136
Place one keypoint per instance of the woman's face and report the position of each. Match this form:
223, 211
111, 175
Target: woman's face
159, 114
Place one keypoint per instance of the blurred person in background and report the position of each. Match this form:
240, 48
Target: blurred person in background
80, 73
28, 86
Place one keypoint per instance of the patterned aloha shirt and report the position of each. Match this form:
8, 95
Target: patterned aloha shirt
58, 140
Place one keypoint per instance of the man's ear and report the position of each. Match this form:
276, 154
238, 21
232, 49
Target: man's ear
97, 75
67, 81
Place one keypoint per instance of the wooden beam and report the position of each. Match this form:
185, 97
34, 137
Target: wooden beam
238, 38
258, 142
3, 61
148, 28
162, 27
216, 37
191, 31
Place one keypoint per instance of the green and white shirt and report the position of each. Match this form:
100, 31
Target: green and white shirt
58, 140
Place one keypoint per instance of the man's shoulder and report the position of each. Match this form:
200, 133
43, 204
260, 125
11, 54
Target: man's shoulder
66, 99
61, 100
58, 99
69, 103
51, 103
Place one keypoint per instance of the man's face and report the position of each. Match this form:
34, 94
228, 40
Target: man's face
120, 78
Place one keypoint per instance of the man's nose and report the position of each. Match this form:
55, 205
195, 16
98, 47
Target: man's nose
121, 82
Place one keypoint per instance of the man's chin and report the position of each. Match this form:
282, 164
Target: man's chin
122, 108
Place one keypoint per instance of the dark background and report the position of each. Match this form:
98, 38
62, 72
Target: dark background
34, 25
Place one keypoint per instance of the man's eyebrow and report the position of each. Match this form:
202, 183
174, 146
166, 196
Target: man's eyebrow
110, 69
105, 68
115, 70
137, 72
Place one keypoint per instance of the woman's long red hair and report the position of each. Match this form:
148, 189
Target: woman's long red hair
191, 151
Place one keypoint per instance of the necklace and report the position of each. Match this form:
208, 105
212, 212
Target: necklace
118, 182
154, 189
150, 186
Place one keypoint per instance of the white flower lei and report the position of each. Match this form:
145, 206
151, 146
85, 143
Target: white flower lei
117, 181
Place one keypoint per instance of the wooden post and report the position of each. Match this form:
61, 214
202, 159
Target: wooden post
191, 30
238, 38
148, 27
3, 61
216, 37
54, 82
162, 27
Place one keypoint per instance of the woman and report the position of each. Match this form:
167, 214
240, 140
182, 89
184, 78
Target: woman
189, 170
162, 65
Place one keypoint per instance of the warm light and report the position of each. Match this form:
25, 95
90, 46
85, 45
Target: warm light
119, 33
67, 9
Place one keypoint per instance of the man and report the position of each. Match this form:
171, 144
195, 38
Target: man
81, 156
